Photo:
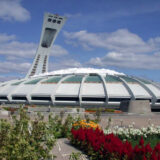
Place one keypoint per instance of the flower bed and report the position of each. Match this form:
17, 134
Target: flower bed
151, 134
99, 146
131, 132
85, 124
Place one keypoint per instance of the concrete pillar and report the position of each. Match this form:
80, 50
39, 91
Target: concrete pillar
136, 106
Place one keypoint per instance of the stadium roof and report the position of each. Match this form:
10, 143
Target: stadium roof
81, 71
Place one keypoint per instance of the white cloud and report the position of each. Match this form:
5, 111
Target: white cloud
134, 9
155, 43
4, 78
13, 10
16, 48
124, 49
63, 64
71, 63
58, 51
130, 60
12, 48
17, 55
121, 40
126, 9
13, 67
69, 15
5, 38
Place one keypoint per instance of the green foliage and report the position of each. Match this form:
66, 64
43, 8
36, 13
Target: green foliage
11, 109
97, 116
109, 110
33, 139
4, 135
58, 128
67, 126
25, 139
152, 140
102, 110
75, 156
55, 126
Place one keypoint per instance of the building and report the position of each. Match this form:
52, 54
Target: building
82, 87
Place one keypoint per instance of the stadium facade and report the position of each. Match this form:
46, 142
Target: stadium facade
82, 87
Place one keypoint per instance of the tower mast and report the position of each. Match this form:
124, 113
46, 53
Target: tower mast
52, 24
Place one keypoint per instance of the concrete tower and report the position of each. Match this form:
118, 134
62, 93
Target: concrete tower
52, 24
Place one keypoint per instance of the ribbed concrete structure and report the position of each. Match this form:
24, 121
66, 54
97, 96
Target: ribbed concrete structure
80, 87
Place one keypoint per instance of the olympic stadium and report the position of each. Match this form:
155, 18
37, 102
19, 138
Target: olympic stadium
82, 87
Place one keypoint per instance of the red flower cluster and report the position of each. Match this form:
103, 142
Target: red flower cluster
107, 147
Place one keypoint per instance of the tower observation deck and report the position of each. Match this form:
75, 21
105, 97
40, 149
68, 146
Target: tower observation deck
52, 24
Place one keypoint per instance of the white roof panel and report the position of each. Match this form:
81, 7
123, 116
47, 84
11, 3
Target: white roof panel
7, 90
93, 89
44, 89
116, 90
138, 90
68, 89
24, 89
154, 89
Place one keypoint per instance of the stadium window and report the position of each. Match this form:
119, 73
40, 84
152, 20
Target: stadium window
97, 99
41, 98
54, 21
118, 99
44, 45
59, 22
20, 98
158, 100
67, 98
3, 98
49, 19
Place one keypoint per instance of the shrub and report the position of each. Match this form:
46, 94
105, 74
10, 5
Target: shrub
25, 139
58, 128
75, 156
97, 116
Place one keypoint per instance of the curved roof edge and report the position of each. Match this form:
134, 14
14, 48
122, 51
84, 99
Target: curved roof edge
81, 71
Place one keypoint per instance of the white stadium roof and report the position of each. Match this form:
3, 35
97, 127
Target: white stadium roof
81, 71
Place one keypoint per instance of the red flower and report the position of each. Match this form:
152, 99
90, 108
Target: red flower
148, 149
141, 142
153, 156
106, 146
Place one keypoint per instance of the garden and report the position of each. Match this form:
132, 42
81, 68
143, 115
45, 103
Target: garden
24, 137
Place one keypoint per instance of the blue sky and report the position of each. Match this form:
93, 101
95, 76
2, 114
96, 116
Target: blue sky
123, 35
